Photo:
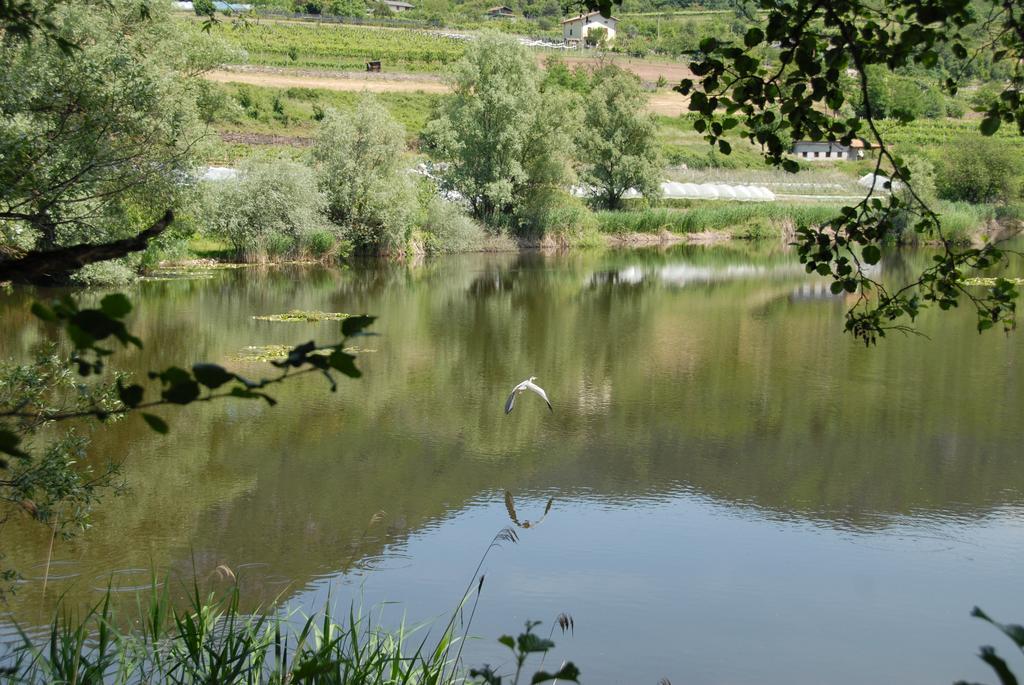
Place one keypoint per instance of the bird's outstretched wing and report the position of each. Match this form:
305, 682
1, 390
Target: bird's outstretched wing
540, 391
511, 401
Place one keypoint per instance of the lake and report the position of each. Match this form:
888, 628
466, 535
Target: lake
742, 493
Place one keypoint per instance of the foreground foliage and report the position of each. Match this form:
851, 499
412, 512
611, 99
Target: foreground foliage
44, 478
212, 641
788, 82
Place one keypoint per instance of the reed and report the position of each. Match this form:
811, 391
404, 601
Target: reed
212, 641
713, 216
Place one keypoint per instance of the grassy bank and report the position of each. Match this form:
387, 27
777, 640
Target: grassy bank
296, 112
748, 220
212, 641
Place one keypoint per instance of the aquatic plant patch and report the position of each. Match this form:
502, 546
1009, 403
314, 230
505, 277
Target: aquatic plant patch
302, 316
980, 280
268, 353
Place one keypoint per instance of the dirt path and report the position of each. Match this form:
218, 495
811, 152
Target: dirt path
647, 70
668, 103
664, 102
340, 81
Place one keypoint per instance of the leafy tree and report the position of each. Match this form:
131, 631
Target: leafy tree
502, 137
980, 170
616, 143
347, 8
361, 171
596, 37
898, 97
270, 210
786, 81
204, 8
557, 75
97, 141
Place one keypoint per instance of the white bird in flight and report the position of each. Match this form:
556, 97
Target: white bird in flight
528, 384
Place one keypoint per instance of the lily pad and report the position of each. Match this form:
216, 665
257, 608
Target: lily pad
301, 316
990, 281
269, 353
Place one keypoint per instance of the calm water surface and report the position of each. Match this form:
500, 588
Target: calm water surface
742, 494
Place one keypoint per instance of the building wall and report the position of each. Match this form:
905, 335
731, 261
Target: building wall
578, 29
810, 150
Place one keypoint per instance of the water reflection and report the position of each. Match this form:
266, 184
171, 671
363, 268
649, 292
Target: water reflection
718, 449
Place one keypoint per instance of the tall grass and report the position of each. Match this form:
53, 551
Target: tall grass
211, 641
962, 220
714, 217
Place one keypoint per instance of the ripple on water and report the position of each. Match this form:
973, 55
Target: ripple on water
126, 580
59, 569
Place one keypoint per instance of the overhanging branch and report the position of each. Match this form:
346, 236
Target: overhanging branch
52, 267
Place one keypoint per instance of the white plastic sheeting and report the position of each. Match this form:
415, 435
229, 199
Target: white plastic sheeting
716, 191
219, 173
878, 182
699, 191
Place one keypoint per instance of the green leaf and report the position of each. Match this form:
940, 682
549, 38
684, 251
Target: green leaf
43, 312
130, 395
724, 147
183, 392
567, 672
871, 254
212, 375
97, 323
173, 375
1006, 677
507, 641
753, 37
528, 642
79, 338
345, 363
990, 124
9, 444
156, 423
115, 305
1010, 630
708, 45
354, 325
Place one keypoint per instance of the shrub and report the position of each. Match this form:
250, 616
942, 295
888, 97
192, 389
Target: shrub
757, 228
448, 229
109, 273
268, 211
554, 212
1013, 211
596, 37
978, 169
360, 168
961, 220
203, 8
321, 244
